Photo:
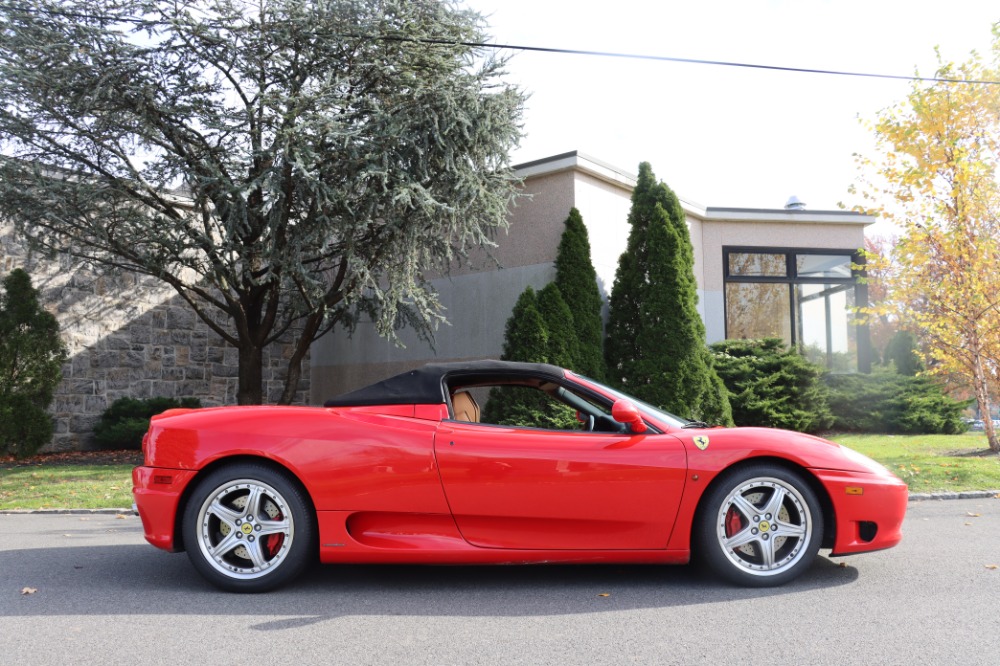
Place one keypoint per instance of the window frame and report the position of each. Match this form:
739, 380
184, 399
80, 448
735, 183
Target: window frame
791, 278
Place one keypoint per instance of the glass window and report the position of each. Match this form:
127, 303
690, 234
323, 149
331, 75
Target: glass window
823, 266
804, 298
755, 264
826, 332
758, 310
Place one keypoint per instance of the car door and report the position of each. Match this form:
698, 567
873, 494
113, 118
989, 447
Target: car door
529, 488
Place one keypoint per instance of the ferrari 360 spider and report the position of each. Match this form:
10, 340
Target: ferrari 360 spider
411, 470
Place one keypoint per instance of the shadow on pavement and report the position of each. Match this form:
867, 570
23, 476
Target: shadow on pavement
127, 579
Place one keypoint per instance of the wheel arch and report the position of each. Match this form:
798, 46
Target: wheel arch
826, 504
235, 460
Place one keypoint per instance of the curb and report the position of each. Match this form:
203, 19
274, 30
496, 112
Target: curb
969, 494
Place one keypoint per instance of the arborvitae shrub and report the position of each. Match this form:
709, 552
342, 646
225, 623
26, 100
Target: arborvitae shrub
577, 282
655, 345
525, 339
31, 358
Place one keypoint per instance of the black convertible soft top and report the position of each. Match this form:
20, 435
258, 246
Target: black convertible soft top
428, 385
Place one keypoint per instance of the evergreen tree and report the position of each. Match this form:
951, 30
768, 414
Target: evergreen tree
772, 385
577, 282
655, 347
526, 339
529, 339
331, 154
31, 358
563, 348
902, 351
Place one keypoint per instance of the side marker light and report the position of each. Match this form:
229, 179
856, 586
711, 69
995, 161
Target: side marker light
855, 490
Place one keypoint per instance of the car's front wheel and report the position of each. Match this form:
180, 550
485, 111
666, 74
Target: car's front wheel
759, 526
248, 528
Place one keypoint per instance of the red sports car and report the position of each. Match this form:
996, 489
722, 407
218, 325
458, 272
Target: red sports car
411, 470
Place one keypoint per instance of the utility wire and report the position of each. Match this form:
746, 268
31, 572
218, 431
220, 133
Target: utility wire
693, 61
547, 49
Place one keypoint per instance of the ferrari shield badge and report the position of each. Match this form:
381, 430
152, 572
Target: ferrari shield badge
701, 442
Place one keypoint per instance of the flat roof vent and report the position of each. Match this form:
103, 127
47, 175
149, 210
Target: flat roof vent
794, 203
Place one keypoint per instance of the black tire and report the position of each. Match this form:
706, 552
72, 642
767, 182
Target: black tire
758, 526
248, 528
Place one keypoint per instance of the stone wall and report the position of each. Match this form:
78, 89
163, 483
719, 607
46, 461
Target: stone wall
130, 336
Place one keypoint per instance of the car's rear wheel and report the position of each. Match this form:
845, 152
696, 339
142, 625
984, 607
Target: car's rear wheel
248, 528
759, 526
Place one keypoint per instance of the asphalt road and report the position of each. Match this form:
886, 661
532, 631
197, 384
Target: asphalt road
106, 597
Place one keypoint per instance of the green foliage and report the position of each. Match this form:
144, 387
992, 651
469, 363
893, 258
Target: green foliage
655, 346
528, 407
771, 385
326, 163
563, 348
902, 352
124, 423
577, 282
885, 402
527, 338
31, 358
24, 426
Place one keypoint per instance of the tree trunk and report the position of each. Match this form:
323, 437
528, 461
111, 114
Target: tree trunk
251, 377
302, 344
981, 388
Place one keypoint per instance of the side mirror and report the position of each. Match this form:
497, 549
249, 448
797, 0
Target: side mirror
624, 411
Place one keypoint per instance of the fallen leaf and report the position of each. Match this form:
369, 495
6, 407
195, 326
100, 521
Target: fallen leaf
992, 566
121, 516
968, 523
843, 565
604, 594
973, 515
29, 590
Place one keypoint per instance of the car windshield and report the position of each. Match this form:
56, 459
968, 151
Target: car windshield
660, 415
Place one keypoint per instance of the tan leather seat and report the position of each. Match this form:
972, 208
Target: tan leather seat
465, 407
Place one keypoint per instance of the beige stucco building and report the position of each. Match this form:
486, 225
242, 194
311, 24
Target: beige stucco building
782, 272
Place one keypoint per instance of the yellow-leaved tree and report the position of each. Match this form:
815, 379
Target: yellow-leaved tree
934, 174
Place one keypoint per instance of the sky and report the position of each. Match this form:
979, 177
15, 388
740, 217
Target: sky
724, 136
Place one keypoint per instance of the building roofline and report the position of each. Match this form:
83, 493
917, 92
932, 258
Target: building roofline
790, 215
577, 161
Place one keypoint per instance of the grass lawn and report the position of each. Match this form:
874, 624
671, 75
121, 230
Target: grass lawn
927, 463
932, 463
86, 480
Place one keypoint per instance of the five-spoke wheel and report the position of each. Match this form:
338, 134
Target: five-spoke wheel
759, 526
247, 528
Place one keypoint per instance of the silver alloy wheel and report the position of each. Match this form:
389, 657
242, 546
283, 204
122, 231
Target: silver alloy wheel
764, 525
245, 529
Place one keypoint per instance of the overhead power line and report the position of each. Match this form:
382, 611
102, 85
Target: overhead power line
584, 52
693, 61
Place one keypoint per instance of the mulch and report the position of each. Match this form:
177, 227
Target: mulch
68, 458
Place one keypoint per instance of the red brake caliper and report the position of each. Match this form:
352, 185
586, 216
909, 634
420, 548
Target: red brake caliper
275, 540
734, 522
